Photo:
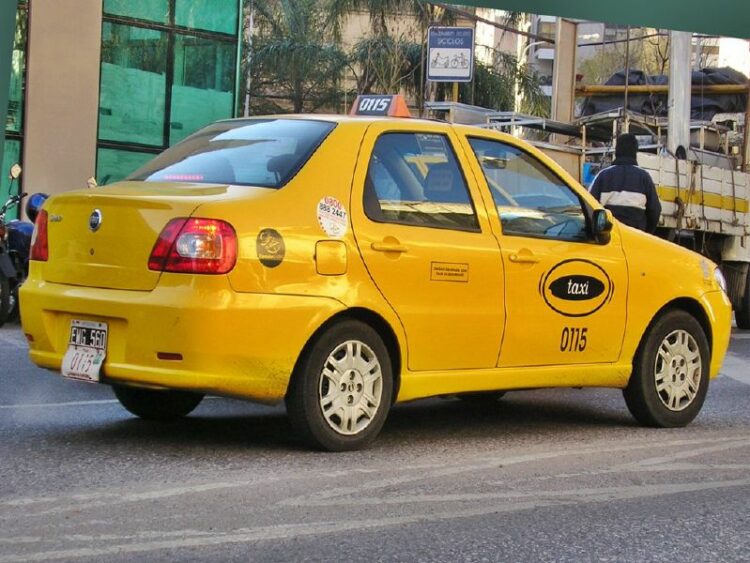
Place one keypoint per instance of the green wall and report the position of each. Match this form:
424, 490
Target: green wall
719, 17
7, 29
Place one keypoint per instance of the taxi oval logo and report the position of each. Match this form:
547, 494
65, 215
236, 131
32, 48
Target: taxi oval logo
576, 288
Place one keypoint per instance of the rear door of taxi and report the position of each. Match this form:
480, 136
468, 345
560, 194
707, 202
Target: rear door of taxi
565, 294
425, 237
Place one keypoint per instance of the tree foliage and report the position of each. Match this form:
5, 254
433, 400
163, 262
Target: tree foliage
298, 62
295, 57
649, 52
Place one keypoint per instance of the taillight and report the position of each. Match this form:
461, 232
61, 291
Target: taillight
196, 246
39, 245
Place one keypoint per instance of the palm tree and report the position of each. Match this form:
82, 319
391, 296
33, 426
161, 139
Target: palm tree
295, 57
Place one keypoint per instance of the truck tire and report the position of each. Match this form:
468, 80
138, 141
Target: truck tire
742, 313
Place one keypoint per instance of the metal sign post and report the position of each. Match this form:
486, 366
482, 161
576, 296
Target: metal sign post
450, 55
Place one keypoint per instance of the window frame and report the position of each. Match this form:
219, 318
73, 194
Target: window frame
172, 30
586, 209
447, 137
20, 135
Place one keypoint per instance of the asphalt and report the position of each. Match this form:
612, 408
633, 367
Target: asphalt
552, 475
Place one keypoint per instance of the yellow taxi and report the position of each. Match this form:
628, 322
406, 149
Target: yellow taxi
345, 263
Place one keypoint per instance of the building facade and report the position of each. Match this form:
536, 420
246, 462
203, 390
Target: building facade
98, 87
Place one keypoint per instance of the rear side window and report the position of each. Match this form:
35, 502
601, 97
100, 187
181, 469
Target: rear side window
257, 152
415, 179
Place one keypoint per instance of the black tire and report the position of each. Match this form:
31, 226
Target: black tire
154, 404
482, 399
4, 299
683, 381
353, 417
742, 313
14, 310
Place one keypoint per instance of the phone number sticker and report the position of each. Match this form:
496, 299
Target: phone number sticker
332, 217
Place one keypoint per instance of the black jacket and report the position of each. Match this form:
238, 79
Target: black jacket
628, 191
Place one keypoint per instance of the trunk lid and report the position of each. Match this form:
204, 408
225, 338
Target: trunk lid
132, 214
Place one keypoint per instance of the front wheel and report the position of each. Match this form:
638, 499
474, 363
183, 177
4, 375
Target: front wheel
670, 373
341, 390
157, 404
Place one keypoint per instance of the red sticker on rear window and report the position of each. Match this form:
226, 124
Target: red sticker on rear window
184, 177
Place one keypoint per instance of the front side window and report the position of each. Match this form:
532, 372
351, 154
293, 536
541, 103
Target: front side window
415, 179
531, 200
255, 152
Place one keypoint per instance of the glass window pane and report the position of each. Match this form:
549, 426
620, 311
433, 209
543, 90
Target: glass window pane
151, 10
17, 69
203, 86
133, 84
114, 165
256, 152
11, 155
211, 15
415, 179
531, 200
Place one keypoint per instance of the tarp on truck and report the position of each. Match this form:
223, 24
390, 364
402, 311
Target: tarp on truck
702, 108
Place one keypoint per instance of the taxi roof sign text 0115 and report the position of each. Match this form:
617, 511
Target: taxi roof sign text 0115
380, 105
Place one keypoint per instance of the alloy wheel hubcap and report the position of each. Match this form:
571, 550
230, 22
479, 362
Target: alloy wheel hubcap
351, 387
678, 369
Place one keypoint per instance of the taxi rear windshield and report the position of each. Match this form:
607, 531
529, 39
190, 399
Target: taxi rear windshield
256, 152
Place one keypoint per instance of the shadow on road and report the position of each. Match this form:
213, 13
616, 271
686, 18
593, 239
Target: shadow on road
234, 424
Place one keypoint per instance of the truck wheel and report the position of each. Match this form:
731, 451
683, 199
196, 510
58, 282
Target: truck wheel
742, 313
153, 404
340, 393
670, 373
4, 299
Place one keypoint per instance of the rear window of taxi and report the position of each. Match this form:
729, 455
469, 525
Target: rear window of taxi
256, 152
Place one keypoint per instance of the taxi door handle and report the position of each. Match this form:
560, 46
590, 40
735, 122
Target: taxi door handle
387, 247
523, 258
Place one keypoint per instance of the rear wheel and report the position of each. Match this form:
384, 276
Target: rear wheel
155, 404
341, 391
670, 373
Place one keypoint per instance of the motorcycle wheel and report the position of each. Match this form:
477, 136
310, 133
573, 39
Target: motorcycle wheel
14, 311
4, 299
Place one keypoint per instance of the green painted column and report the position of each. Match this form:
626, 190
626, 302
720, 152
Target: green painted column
720, 17
7, 31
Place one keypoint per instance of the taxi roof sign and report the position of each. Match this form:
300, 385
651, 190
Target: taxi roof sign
380, 105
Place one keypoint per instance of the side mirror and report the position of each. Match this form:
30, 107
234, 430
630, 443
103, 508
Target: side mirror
602, 225
15, 171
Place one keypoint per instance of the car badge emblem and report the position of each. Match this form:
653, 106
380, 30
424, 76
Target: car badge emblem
95, 220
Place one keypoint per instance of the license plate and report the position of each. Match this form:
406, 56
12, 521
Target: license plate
87, 348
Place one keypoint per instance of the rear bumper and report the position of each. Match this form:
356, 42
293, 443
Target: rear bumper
234, 344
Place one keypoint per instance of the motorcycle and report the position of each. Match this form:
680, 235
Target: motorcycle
15, 248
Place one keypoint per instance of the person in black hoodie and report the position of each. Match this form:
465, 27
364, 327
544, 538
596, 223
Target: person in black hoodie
626, 189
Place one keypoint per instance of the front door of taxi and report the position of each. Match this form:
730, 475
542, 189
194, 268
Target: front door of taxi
565, 294
428, 248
